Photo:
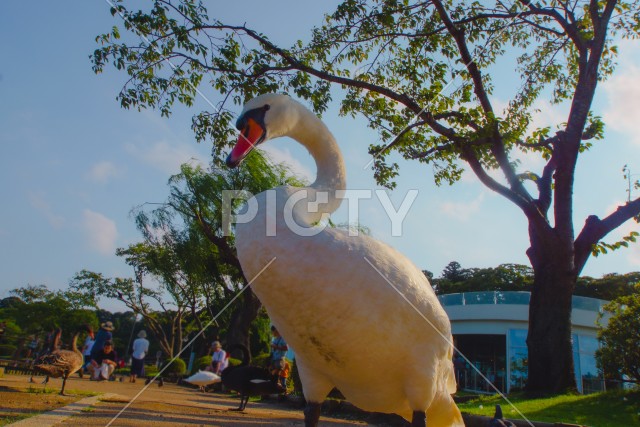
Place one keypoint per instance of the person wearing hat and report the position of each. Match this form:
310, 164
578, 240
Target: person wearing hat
103, 362
218, 358
140, 348
104, 334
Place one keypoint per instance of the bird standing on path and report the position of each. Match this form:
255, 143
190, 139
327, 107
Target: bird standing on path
60, 363
347, 305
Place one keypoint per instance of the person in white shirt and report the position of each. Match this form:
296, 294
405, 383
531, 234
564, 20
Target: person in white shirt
86, 350
140, 348
218, 358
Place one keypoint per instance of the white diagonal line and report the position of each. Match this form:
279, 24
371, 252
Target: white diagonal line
190, 342
473, 58
448, 340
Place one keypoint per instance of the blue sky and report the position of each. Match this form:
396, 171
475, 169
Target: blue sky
73, 163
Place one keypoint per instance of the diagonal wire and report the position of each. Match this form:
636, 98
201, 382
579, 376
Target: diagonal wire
190, 342
415, 118
448, 340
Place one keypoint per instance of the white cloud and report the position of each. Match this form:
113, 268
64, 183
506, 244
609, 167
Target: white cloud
101, 232
165, 156
38, 201
462, 211
633, 251
101, 172
622, 113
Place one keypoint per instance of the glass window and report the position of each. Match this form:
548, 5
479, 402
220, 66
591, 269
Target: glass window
518, 359
584, 303
479, 298
588, 376
451, 299
518, 298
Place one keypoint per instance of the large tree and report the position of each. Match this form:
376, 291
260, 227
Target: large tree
421, 74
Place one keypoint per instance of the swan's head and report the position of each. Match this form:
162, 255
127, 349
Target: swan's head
263, 118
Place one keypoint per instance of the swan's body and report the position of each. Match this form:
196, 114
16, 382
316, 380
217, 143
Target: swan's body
347, 325
203, 379
60, 363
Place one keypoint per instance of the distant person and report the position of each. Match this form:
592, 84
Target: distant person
459, 366
218, 358
32, 346
3, 329
279, 348
282, 372
103, 335
87, 347
140, 349
103, 362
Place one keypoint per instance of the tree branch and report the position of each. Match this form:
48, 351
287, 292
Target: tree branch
595, 229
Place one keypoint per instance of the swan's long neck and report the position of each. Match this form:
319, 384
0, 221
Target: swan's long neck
331, 174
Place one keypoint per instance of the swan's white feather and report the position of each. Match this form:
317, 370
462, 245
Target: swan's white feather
203, 378
347, 325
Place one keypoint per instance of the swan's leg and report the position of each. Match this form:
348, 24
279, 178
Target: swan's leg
420, 389
419, 419
312, 414
316, 386
243, 402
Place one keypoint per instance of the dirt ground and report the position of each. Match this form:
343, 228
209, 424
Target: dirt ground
165, 406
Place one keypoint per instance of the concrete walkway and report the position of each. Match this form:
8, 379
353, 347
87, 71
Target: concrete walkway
59, 415
166, 406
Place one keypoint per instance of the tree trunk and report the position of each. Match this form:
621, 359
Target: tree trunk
550, 360
241, 319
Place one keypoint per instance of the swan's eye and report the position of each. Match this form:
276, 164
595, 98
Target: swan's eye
241, 123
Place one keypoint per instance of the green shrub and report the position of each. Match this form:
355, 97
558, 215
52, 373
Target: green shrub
200, 363
177, 366
7, 350
234, 362
150, 370
261, 360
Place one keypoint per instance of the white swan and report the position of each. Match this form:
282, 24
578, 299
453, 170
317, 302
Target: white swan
347, 325
203, 379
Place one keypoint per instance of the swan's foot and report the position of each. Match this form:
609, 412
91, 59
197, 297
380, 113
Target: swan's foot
419, 419
312, 414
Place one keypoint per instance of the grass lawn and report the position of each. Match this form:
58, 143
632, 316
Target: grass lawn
610, 409
17, 403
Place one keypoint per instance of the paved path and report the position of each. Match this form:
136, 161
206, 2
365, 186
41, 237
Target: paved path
59, 415
165, 406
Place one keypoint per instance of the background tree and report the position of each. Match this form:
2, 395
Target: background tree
505, 277
36, 310
192, 220
609, 286
394, 58
619, 353
191, 257
161, 315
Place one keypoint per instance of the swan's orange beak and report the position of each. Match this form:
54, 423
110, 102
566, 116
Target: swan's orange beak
252, 135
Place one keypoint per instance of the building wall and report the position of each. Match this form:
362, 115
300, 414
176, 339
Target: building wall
507, 313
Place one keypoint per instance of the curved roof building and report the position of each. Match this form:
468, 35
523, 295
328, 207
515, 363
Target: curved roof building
490, 330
